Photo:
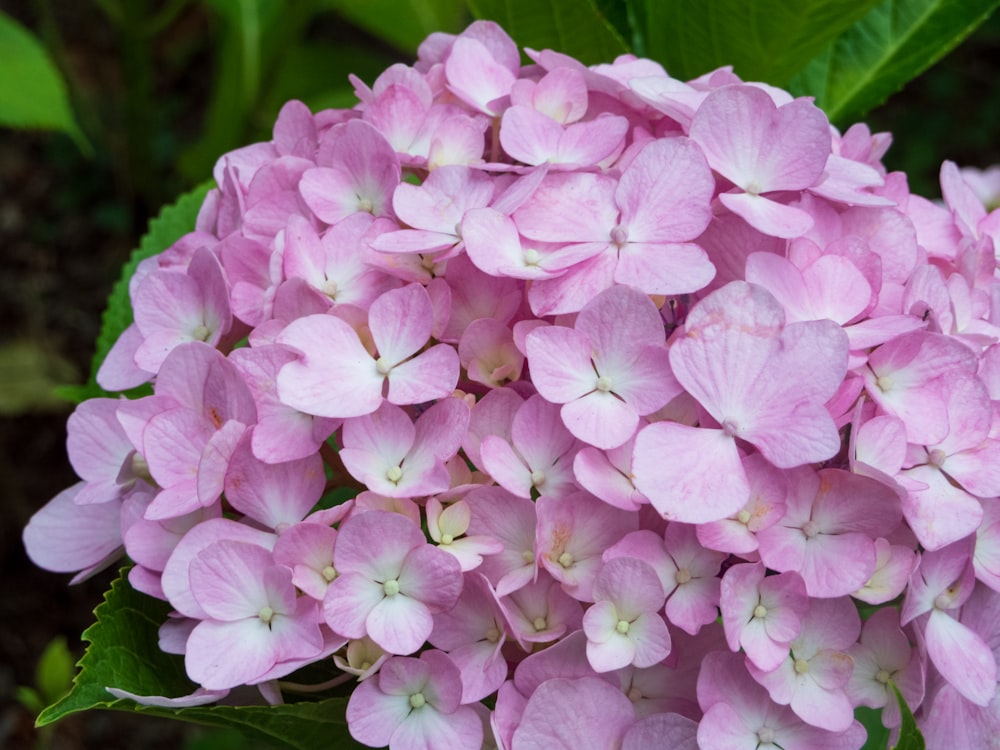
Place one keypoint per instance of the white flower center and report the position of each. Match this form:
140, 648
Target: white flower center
417, 700
603, 384
329, 573
619, 235
139, 466
391, 588
394, 474
760, 611
266, 614
622, 627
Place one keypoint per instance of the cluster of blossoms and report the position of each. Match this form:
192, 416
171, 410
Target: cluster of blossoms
641, 390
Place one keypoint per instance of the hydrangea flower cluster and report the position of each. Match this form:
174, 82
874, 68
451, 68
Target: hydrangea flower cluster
645, 388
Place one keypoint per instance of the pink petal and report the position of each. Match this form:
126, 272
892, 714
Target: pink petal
768, 216
665, 193
430, 375
335, 376
65, 537
399, 624
584, 714
962, 658
703, 480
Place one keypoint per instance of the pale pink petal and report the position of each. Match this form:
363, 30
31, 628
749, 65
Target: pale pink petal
399, 624
349, 599
335, 376
430, 375
962, 658
601, 419
584, 714
768, 216
702, 480
222, 655
65, 537
560, 361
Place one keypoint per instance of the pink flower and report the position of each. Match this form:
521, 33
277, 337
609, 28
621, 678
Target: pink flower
390, 582
358, 172
414, 703
337, 377
762, 381
585, 713
254, 619
623, 625
608, 370
763, 148
397, 458
763, 615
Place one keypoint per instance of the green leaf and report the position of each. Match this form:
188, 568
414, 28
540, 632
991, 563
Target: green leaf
402, 23
123, 653
764, 40
573, 27
910, 737
54, 672
892, 44
29, 698
171, 224
32, 92
29, 375
871, 720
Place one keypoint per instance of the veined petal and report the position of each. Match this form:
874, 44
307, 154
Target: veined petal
335, 375
703, 480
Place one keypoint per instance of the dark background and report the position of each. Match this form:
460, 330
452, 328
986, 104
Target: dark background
68, 222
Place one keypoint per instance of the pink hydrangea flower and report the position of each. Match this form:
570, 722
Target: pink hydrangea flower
390, 582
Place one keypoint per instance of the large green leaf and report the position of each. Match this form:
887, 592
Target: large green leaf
32, 92
892, 44
402, 23
123, 653
573, 27
171, 224
764, 40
